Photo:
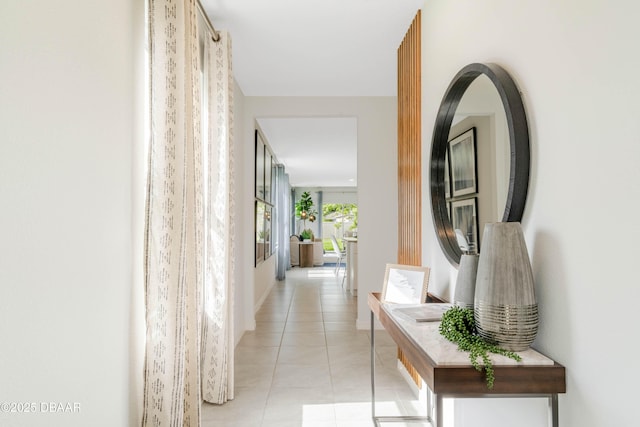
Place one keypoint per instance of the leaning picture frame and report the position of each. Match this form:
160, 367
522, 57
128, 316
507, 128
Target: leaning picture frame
462, 155
405, 284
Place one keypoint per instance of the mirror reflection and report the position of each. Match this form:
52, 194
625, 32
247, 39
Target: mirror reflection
477, 166
480, 159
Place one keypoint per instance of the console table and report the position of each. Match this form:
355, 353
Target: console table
448, 373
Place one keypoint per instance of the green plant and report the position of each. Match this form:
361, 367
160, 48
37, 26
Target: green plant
307, 234
459, 326
304, 208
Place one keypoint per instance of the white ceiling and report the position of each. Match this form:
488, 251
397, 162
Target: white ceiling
316, 151
314, 48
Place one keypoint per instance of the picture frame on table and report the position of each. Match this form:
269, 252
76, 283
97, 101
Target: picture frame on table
405, 284
463, 159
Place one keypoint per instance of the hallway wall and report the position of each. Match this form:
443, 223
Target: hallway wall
71, 174
575, 64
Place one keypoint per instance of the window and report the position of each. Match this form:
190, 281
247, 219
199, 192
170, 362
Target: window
340, 220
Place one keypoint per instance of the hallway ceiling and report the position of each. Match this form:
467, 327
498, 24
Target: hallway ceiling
314, 48
331, 142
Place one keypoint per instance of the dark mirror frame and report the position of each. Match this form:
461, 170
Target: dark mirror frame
519, 142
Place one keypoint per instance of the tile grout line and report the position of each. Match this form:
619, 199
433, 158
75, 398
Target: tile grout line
275, 365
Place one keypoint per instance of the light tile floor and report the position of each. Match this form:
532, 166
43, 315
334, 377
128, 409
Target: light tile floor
306, 364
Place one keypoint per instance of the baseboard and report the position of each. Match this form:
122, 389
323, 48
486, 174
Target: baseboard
263, 298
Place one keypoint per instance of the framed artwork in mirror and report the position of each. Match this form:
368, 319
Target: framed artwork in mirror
462, 153
464, 219
405, 284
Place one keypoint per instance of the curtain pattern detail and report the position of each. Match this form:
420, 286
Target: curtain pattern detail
218, 345
174, 247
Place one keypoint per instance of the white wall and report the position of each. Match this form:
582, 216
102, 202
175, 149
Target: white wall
243, 243
377, 177
264, 280
576, 65
67, 185
339, 195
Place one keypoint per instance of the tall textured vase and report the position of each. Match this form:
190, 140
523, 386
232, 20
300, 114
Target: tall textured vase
466, 283
506, 311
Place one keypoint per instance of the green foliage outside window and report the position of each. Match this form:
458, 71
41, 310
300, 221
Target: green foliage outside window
343, 216
340, 213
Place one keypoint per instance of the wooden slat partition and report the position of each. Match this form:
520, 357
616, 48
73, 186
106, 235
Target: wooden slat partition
410, 158
409, 148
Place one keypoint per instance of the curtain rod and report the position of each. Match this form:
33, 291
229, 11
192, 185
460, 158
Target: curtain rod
214, 34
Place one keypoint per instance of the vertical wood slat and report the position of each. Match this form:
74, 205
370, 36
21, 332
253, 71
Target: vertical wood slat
409, 147
410, 158
413, 373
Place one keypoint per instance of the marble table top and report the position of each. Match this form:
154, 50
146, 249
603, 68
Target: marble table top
443, 352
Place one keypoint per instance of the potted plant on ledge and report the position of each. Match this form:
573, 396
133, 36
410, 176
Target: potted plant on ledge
306, 235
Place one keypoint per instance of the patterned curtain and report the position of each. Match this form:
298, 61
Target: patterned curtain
173, 241
217, 345
189, 228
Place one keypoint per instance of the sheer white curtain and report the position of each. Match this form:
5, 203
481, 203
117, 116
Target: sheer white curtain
189, 232
282, 215
217, 348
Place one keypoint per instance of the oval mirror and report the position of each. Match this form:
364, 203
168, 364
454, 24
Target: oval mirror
479, 169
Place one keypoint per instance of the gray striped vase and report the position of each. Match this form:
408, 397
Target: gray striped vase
506, 311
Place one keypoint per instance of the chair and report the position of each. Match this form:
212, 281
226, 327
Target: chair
339, 253
318, 252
